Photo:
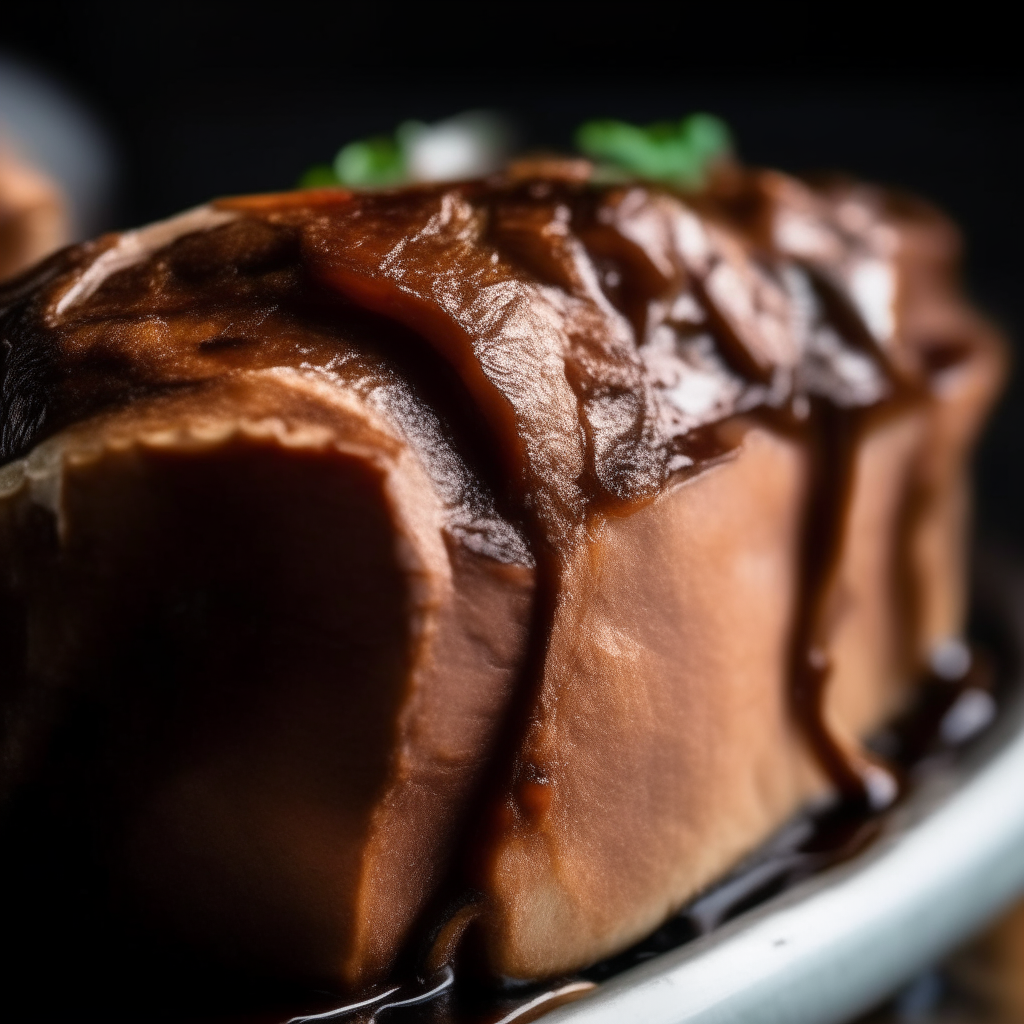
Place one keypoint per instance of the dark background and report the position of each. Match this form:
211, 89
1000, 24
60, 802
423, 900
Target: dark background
210, 100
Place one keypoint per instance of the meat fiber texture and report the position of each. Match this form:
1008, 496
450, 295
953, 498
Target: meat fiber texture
480, 569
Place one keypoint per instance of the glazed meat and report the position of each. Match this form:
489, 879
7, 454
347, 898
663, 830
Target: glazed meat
480, 568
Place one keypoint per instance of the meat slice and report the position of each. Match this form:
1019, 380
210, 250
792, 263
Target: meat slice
660, 745
292, 666
527, 546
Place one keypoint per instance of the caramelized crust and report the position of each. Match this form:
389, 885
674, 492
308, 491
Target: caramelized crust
254, 586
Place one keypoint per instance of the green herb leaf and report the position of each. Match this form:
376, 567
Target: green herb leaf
679, 152
319, 176
371, 162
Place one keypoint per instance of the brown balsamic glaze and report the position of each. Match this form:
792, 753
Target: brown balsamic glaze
834, 445
560, 359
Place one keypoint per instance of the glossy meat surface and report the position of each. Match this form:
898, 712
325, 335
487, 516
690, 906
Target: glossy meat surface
609, 521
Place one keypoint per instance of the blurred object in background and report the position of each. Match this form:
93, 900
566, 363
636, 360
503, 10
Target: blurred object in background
468, 145
993, 967
56, 164
33, 215
983, 983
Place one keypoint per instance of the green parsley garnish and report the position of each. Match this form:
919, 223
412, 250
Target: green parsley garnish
319, 176
368, 163
677, 152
